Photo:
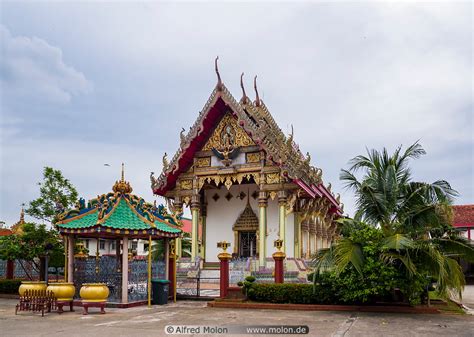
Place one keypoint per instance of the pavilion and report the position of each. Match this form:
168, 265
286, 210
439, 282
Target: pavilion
121, 216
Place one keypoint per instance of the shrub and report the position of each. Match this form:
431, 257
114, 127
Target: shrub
290, 293
9, 286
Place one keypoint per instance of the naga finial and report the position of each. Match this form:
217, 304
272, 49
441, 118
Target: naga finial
182, 137
165, 162
244, 99
219, 81
257, 97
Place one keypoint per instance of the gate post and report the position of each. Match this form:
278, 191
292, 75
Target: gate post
224, 258
172, 270
279, 256
10, 269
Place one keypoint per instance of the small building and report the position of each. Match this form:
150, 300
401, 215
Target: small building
247, 183
463, 221
117, 218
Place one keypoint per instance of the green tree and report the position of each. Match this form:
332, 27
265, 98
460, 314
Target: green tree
56, 194
32, 245
414, 219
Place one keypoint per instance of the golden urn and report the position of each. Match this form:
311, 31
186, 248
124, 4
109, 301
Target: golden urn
94, 292
31, 285
62, 291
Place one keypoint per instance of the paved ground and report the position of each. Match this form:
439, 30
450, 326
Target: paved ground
468, 296
143, 322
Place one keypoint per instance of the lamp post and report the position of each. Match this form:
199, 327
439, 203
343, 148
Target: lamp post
279, 256
224, 258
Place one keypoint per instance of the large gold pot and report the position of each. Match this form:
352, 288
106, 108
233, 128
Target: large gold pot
62, 291
94, 292
31, 285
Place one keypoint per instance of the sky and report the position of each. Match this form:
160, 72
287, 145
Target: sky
85, 84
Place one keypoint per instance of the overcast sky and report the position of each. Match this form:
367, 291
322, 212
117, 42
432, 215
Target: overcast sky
86, 84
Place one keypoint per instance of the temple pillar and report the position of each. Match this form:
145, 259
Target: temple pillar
203, 232
125, 269
70, 259
297, 237
195, 228
319, 234
178, 241
282, 218
262, 228
308, 244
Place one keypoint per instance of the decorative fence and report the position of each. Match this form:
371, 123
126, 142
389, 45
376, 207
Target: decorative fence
107, 269
25, 270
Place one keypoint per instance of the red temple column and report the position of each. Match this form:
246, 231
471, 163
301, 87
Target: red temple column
279, 256
10, 269
224, 258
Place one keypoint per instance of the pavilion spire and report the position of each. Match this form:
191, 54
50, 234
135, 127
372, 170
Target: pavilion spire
257, 97
122, 186
219, 81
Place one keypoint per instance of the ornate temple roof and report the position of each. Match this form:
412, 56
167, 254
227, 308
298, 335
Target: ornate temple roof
119, 212
258, 123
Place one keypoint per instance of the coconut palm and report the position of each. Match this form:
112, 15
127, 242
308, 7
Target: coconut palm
414, 217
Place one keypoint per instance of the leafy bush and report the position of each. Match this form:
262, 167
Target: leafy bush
290, 293
9, 286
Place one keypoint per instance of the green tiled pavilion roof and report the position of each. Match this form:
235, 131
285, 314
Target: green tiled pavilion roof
85, 221
121, 217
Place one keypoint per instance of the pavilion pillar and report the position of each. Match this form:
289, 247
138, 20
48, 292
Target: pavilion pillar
203, 232
10, 269
319, 233
262, 228
166, 245
171, 262
178, 241
125, 269
195, 227
70, 259
282, 218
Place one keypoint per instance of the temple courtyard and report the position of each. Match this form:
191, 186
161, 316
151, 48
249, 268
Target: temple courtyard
143, 321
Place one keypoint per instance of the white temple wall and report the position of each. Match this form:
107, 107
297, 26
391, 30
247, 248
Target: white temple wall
222, 214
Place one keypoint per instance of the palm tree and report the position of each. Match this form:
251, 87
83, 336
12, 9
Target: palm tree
414, 217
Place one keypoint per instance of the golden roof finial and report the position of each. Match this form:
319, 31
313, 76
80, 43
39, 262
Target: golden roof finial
18, 227
244, 99
122, 186
257, 98
219, 81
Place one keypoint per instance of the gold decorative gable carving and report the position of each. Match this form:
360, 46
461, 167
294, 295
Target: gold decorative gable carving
241, 138
247, 220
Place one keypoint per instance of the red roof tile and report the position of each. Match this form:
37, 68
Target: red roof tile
463, 216
5, 232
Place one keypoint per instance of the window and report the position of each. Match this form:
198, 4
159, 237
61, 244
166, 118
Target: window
145, 247
134, 245
112, 245
102, 244
86, 242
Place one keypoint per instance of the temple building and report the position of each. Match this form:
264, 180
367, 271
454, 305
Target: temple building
247, 183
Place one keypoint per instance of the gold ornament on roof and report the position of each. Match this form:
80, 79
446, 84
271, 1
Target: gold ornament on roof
122, 186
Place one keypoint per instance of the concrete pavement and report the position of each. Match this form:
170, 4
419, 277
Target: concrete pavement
142, 321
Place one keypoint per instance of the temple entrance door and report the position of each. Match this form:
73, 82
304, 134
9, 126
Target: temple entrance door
247, 244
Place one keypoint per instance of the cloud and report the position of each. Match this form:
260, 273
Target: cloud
33, 71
